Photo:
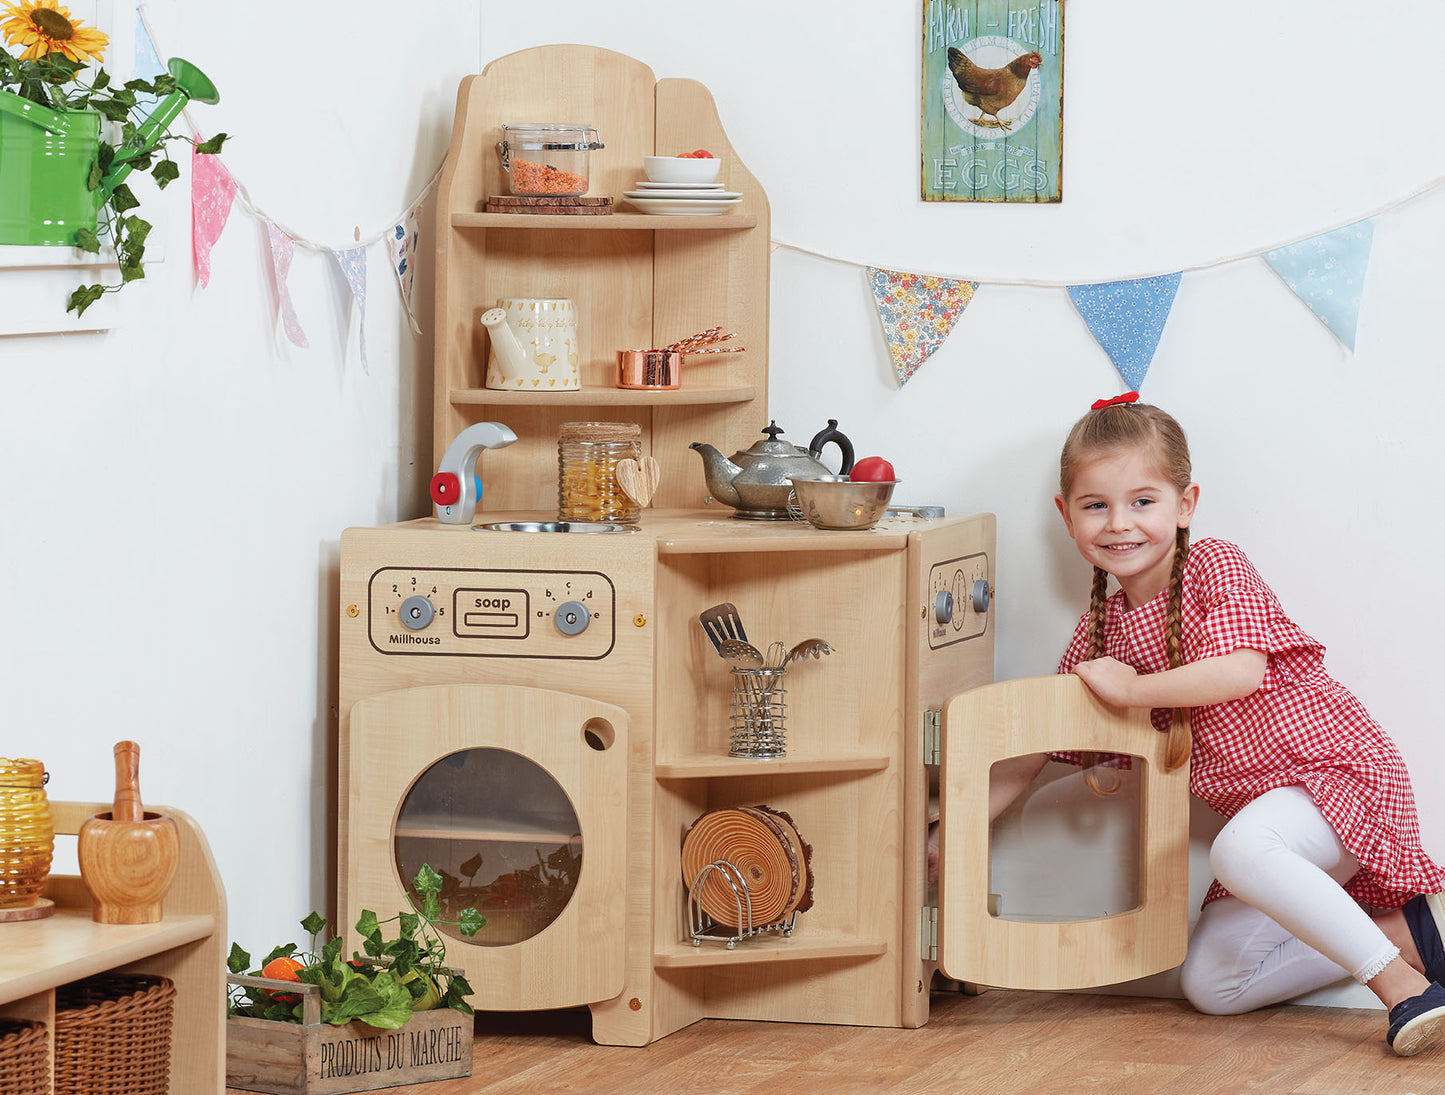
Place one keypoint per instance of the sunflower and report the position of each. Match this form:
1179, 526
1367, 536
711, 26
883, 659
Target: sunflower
44, 27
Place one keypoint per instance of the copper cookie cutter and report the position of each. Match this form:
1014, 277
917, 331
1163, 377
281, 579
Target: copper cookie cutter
662, 369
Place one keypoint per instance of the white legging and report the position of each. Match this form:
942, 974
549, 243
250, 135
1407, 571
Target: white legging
1290, 928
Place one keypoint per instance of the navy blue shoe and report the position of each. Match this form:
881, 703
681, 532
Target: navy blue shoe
1417, 1022
1425, 917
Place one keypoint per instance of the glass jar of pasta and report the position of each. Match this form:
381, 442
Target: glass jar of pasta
27, 832
587, 457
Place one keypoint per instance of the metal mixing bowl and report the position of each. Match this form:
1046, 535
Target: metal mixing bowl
836, 502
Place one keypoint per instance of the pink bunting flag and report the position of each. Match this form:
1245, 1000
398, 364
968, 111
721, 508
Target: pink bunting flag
283, 247
212, 193
918, 312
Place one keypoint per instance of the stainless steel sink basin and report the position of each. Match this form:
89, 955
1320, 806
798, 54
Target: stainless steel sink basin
553, 526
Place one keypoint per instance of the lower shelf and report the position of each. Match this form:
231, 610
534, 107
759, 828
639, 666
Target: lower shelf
801, 947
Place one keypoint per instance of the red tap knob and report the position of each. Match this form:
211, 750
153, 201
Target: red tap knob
446, 488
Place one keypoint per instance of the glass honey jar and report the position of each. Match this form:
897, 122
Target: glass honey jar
27, 832
587, 457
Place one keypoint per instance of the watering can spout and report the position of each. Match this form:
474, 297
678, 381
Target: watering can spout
191, 84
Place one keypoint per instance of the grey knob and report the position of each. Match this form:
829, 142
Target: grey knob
943, 607
417, 612
981, 594
572, 618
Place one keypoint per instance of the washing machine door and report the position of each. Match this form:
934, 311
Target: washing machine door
1038, 715
517, 797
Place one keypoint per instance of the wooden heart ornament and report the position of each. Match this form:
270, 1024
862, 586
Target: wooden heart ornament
638, 479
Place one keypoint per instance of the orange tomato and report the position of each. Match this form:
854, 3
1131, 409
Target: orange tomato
281, 969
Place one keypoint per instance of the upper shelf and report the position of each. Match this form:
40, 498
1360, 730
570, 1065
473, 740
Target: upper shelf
619, 221
604, 397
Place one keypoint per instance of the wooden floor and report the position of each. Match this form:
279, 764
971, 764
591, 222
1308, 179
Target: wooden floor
999, 1042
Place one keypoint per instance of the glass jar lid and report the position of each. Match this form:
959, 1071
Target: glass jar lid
551, 135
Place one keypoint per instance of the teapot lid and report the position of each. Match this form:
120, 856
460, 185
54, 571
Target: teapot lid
772, 444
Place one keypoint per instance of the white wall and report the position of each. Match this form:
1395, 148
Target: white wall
184, 596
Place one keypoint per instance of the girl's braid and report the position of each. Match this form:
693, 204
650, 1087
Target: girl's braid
1097, 596
1176, 751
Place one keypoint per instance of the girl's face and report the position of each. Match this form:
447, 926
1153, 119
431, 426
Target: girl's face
1123, 515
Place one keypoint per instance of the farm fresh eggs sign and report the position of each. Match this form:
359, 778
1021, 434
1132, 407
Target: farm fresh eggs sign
993, 100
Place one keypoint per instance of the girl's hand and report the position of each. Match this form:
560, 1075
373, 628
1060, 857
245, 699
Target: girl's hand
1109, 679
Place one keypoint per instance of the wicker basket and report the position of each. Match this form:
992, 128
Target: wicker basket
113, 1035
24, 1058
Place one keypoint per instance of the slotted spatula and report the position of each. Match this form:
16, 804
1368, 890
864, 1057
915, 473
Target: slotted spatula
721, 622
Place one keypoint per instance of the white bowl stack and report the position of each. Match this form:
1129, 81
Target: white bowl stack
681, 186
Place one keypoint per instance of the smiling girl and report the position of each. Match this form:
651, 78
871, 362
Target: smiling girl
1322, 823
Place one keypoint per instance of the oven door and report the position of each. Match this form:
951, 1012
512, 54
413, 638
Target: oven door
1047, 714
517, 797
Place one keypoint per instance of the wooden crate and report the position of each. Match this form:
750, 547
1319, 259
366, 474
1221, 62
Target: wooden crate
315, 1058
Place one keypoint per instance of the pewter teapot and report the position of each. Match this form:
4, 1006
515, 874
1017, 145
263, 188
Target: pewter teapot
755, 481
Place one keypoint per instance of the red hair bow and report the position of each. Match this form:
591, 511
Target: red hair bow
1127, 397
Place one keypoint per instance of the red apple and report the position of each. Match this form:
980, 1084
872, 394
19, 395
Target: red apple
872, 469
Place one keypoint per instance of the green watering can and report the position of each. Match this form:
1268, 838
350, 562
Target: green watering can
46, 157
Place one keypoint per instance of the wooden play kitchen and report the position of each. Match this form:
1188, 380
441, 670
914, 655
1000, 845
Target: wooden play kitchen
542, 717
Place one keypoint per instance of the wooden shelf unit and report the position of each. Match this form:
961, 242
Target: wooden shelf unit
187, 946
639, 281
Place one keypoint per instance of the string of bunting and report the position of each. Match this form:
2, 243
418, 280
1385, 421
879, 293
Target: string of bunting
215, 191
1325, 270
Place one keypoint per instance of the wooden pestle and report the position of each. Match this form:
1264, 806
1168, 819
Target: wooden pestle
128, 859
127, 806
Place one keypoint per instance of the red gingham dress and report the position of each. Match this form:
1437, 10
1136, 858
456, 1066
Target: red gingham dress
1300, 727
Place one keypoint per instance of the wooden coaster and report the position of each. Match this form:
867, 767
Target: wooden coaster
42, 908
574, 205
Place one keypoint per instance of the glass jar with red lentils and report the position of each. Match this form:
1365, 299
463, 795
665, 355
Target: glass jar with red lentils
547, 159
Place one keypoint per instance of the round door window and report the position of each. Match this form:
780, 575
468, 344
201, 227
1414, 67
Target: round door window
502, 834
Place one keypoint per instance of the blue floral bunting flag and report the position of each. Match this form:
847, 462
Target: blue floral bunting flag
1127, 318
352, 264
401, 244
918, 313
1327, 272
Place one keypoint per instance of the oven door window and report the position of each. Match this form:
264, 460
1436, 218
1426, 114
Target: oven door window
502, 834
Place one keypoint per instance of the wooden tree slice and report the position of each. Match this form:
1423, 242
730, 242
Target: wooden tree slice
767, 851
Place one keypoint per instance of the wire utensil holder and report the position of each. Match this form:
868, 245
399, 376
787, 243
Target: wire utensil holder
705, 928
759, 713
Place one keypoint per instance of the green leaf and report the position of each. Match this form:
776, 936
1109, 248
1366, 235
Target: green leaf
407, 924
285, 950
122, 199
102, 81
87, 241
314, 924
92, 181
471, 922
113, 111
237, 960
431, 908
166, 172
131, 271
212, 146
83, 298
164, 84
427, 880
366, 924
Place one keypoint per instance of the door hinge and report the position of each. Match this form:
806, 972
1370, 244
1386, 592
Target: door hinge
933, 737
928, 936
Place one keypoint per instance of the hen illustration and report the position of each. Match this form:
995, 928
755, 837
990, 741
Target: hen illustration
991, 89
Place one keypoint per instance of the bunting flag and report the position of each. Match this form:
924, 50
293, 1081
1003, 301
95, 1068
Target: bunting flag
352, 264
283, 247
918, 312
212, 193
401, 245
147, 60
1327, 272
1127, 318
